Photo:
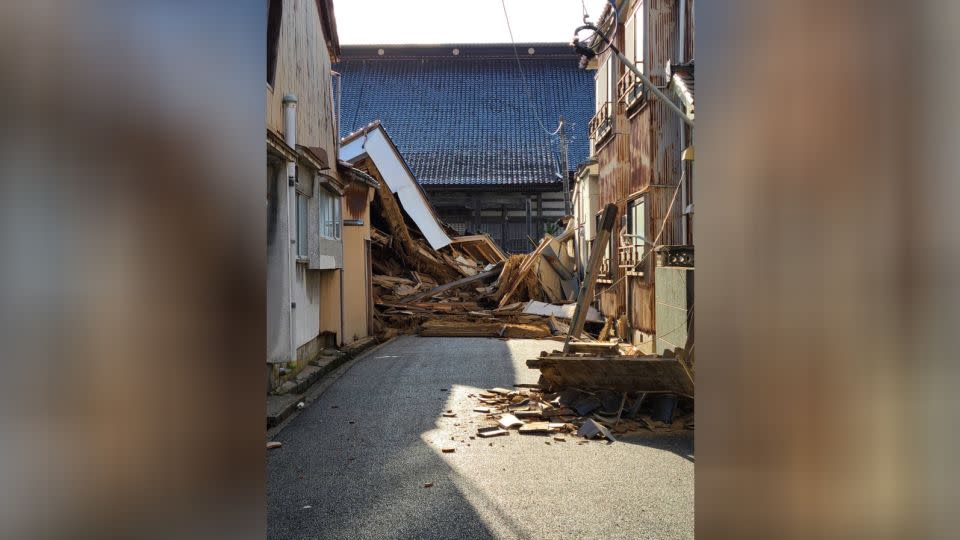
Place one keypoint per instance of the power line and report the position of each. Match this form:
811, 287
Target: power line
523, 76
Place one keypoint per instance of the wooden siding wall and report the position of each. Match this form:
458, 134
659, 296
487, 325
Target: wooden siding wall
303, 69
643, 155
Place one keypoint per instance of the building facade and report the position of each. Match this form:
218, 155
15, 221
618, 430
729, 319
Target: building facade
475, 127
308, 192
641, 161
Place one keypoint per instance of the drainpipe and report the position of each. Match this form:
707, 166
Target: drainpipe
290, 137
681, 58
336, 91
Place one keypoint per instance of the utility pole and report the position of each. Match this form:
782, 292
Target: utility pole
565, 168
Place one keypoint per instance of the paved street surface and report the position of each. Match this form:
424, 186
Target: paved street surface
353, 463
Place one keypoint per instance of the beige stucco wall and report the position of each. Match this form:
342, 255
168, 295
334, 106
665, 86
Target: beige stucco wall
356, 292
330, 301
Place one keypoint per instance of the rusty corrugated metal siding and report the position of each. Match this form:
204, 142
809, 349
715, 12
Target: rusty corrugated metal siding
643, 155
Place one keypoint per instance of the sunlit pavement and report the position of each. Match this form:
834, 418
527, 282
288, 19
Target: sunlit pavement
355, 462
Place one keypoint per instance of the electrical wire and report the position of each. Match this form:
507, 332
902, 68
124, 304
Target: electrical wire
523, 76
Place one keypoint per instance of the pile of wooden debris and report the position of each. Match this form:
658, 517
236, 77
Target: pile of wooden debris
603, 414
467, 288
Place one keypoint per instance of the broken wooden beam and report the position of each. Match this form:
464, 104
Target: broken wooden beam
525, 268
441, 328
554, 261
455, 284
609, 349
585, 298
619, 373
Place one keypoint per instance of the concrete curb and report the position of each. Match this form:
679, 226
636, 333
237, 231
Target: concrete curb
333, 371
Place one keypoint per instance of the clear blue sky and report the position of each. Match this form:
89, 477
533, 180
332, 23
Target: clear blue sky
459, 21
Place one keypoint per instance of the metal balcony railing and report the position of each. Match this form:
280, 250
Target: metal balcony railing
630, 89
602, 123
630, 253
603, 274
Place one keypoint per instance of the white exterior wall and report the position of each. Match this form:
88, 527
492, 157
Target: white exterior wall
304, 70
306, 294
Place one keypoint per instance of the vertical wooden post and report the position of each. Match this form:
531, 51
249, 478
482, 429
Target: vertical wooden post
504, 229
607, 221
476, 216
539, 215
527, 206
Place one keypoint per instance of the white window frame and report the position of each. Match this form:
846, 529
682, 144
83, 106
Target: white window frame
302, 213
637, 231
330, 203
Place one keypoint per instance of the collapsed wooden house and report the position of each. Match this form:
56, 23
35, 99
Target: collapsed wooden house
426, 279
423, 271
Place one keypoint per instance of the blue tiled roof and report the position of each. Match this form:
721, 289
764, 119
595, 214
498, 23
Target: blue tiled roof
466, 119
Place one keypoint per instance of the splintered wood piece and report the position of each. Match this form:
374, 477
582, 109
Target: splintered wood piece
508, 421
492, 431
525, 268
618, 373
607, 220
454, 284
535, 428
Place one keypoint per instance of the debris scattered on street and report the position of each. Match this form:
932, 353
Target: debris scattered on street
492, 431
535, 427
508, 421
428, 485
274, 444
606, 413
591, 429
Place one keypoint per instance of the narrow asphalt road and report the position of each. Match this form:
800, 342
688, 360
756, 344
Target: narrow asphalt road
354, 463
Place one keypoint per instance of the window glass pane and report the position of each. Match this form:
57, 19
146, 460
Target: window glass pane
637, 222
629, 36
301, 226
322, 205
328, 216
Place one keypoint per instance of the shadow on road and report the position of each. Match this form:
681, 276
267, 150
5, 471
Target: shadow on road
356, 456
354, 463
